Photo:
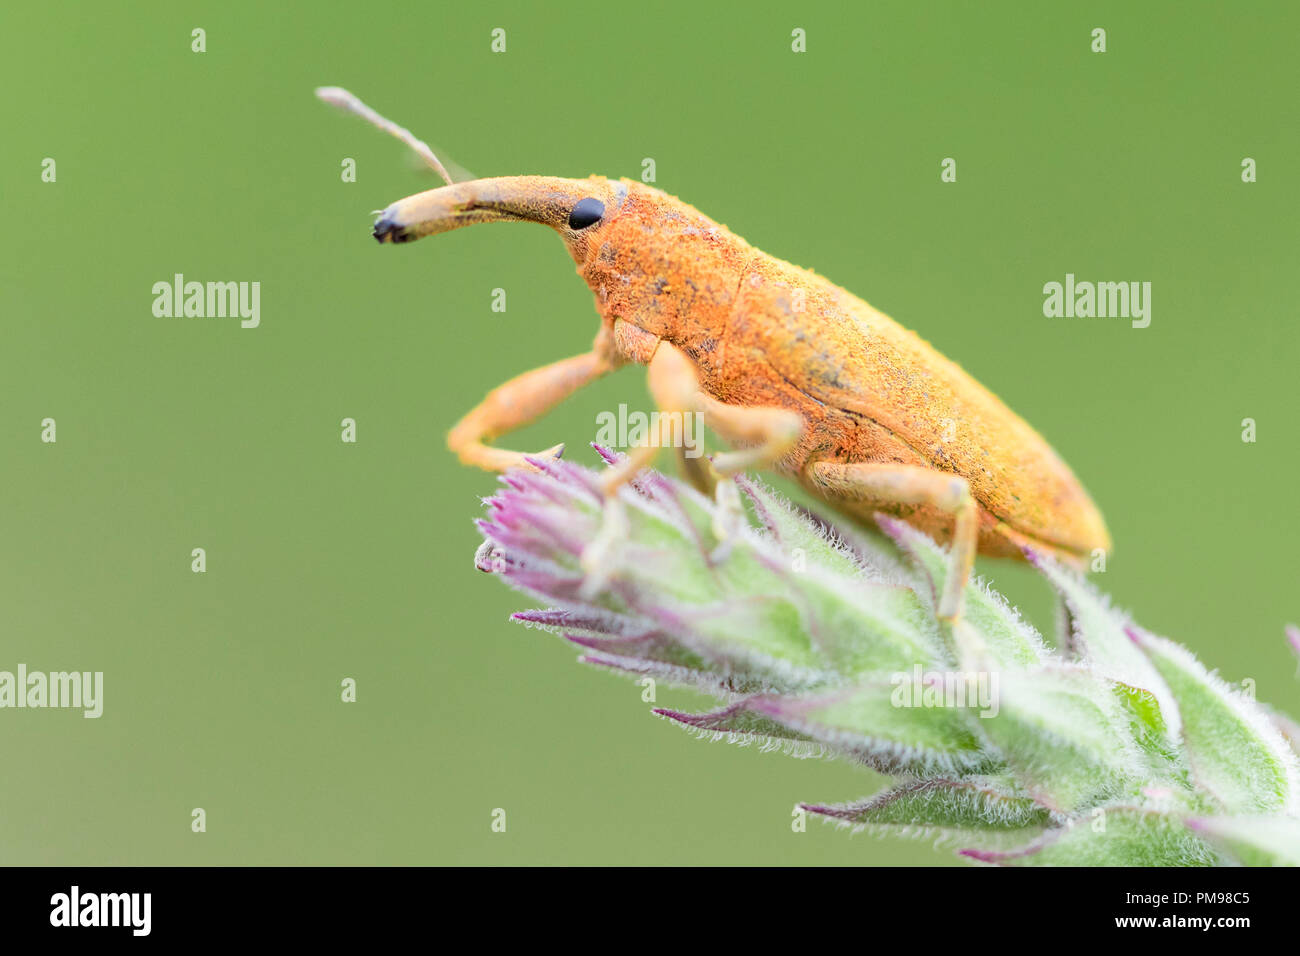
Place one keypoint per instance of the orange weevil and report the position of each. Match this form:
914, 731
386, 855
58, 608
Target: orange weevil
800, 375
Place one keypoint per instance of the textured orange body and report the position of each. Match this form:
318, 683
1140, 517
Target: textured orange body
762, 331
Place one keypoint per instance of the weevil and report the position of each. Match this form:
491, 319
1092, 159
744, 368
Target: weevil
797, 374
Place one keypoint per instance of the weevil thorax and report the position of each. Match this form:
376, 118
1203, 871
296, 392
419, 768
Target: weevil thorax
662, 266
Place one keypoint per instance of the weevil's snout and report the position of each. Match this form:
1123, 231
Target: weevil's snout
569, 206
431, 212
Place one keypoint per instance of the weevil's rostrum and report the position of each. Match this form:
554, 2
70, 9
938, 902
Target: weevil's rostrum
800, 374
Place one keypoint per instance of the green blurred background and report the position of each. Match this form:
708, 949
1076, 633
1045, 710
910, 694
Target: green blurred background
328, 560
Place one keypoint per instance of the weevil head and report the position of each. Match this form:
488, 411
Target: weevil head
649, 258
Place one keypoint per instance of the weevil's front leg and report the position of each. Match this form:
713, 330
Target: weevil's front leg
518, 402
913, 485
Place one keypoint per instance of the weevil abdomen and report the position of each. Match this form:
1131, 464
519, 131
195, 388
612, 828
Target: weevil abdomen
873, 391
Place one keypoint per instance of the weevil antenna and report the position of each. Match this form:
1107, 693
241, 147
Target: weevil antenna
337, 96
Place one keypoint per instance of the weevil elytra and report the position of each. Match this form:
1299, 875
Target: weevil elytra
801, 376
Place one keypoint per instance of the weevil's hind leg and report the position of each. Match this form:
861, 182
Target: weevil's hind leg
518, 402
913, 485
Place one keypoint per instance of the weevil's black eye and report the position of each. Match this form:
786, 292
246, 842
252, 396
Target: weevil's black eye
585, 212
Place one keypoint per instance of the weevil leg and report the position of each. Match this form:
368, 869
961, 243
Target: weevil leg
769, 432
913, 485
673, 383
728, 515
697, 471
518, 402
